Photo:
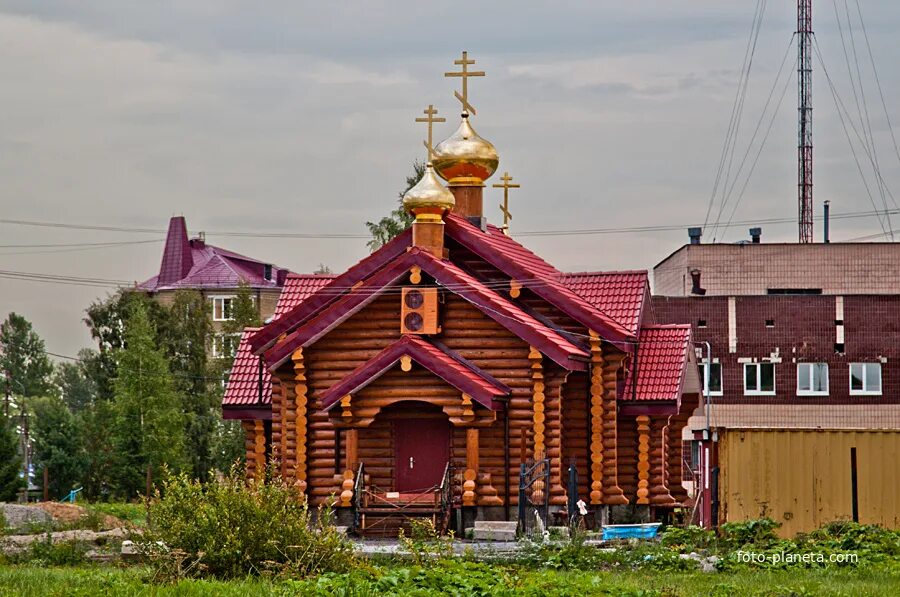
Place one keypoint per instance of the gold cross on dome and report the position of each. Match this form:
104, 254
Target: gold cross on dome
430, 113
504, 207
465, 73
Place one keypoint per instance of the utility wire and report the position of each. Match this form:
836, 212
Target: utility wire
755, 132
731, 134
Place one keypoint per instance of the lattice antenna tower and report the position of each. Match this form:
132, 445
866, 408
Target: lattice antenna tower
804, 132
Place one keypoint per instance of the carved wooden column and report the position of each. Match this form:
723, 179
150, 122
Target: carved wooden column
352, 451
659, 492
643, 464
538, 398
596, 439
471, 472
277, 425
259, 449
612, 493
301, 423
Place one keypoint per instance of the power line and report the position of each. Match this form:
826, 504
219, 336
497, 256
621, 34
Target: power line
755, 132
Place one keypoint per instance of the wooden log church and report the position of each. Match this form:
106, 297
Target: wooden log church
425, 375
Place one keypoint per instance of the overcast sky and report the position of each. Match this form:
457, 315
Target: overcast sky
298, 116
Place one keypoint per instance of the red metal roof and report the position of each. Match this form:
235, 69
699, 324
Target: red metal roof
297, 288
534, 273
195, 264
620, 295
331, 292
243, 381
453, 369
451, 277
661, 363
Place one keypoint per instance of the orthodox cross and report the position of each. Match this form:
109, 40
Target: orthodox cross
506, 186
430, 112
465, 73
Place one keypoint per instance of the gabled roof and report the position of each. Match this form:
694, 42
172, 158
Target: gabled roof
662, 360
448, 275
195, 264
534, 273
453, 369
297, 288
243, 380
619, 294
331, 292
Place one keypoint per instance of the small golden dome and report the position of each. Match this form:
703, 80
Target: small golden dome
428, 195
464, 156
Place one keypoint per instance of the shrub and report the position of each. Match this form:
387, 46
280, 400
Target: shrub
46, 552
425, 544
688, 538
231, 528
760, 533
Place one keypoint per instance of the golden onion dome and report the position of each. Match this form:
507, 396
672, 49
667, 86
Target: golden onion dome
464, 156
428, 195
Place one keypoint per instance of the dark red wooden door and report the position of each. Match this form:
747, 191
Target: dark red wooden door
421, 452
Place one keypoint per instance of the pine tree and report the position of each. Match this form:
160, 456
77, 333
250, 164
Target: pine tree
399, 219
23, 358
10, 461
149, 427
185, 340
58, 445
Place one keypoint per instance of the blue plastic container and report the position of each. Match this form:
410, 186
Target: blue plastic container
630, 531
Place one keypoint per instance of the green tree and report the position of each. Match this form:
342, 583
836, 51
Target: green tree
323, 270
23, 358
106, 321
244, 311
185, 340
10, 461
399, 219
100, 473
148, 428
76, 386
58, 445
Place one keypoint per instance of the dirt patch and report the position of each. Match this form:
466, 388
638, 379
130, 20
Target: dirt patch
72, 513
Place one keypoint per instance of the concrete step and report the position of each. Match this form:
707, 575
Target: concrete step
497, 525
494, 530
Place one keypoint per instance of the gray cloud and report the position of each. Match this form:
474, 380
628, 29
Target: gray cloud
298, 116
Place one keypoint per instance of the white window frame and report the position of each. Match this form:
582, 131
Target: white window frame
812, 367
865, 391
222, 297
758, 366
705, 380
220, 337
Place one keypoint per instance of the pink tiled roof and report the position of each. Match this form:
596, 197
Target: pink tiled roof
243, 381
448, 275
618, 294
331, 291
453, 369
661, 365
534, 273
297, 288
195, 264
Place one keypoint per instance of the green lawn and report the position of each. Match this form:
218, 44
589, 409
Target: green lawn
465, 580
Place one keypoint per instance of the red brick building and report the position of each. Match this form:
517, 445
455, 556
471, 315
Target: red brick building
800, 357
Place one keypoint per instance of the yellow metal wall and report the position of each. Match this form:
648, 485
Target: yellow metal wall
802, 478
